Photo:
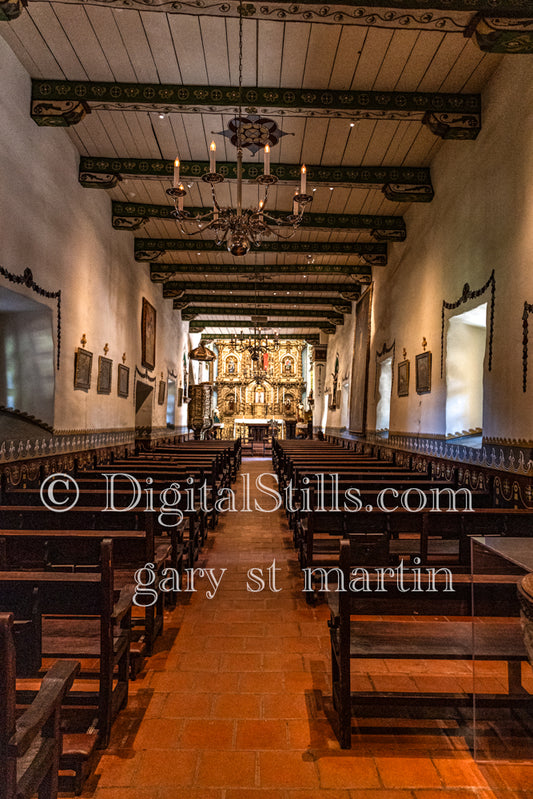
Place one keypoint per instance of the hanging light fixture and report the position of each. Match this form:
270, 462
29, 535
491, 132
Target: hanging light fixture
239, 229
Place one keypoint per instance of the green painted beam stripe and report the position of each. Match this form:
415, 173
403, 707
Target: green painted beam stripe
250, 269
321, 247
181, 96
352, 221
150, 167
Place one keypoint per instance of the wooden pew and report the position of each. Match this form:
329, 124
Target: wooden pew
30, 744
82, 618
443, 639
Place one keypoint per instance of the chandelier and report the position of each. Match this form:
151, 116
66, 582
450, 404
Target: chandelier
238, 229
256, 344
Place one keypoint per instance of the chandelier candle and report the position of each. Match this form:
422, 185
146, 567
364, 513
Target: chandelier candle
177, 173
266, 163
212, 157
303, 181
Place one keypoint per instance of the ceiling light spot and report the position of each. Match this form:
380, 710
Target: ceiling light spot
352, 124
331, 188
161, 116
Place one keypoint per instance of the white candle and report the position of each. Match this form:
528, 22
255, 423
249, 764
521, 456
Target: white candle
267, 160
212, 157
261, 211
176, 172
180, 199
303, 181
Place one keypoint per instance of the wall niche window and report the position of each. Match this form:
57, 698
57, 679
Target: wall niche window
466, 341
27, 368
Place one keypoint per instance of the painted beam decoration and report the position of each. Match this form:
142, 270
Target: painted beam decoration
52, 99
266, 301
504, 35
372, 254
409, 184
291, 313
10, 9
132, 216
161, 272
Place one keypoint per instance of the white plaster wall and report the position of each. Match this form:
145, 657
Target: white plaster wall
63, 233
481, 219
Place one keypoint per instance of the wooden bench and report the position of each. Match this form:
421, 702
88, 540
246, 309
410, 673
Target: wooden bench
411, 638
82, 618
30, 743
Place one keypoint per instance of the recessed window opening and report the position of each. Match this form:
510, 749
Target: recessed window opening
384, 394
171, 403
465, 356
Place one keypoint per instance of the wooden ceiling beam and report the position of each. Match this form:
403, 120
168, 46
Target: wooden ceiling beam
181, 289
199, 326
65, 103
285, 297
132, 216
370, 253
161, 272
398, 183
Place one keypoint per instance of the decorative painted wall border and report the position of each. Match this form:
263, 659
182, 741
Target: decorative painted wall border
144, 375
61, 443
468, 294
26, 279
528, 308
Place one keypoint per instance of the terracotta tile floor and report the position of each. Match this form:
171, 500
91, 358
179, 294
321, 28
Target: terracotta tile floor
235, 702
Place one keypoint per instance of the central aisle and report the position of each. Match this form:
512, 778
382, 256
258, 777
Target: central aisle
232, 705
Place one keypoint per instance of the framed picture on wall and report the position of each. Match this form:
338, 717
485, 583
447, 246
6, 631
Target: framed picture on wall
161, 394
83, 364
423, 373
105, 369
403, 379
148, 335
123, 384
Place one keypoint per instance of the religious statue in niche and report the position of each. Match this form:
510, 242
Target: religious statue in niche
335, 376
288, 403
287, 366
231, 365
230, 403
259, 396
